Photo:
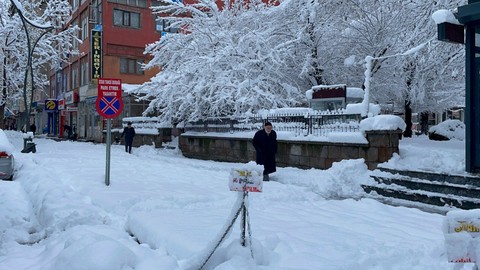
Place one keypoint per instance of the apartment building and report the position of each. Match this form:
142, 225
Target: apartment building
113, 36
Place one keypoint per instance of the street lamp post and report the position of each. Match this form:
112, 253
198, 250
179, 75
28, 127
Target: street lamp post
368, 72
30, 50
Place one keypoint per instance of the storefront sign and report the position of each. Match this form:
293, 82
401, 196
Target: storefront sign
329, 91
51, 105
71, 97
96, 54
61, 104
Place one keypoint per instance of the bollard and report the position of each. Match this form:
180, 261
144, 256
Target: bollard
28, 144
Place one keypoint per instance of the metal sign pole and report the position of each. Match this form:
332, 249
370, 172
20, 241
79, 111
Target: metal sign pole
109, 104
244, 220
108, 142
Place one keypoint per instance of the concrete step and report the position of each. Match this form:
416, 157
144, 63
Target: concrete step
421, 196
470, 180
430, 186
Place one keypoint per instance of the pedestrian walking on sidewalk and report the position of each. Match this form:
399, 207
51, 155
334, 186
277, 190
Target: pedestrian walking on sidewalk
129, 133
265, 143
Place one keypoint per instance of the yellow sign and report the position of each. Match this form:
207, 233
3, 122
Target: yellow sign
466, 227
51, 105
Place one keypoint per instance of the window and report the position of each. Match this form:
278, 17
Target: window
74, 5
135, 3
163, 25
58, 83
158, 3
84, 34
84, 71
126, 18
131, 66
75, 75
65, 81
96, 12
75, 41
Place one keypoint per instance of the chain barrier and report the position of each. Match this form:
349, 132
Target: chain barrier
229, 228
246, 220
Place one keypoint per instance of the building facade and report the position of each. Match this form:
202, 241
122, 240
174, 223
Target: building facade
113, 35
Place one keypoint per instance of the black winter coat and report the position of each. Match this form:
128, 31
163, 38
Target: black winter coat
129, 133
266, 149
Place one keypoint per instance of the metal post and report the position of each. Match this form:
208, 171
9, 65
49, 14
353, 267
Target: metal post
244, 221
108, 142
472, 100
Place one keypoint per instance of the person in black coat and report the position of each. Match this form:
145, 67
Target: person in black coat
265, 143
129, 133
33, 128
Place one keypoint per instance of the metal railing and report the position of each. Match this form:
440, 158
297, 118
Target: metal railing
316, 124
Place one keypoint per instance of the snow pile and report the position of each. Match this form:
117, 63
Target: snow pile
358, 108
85, 249
355, 92
421, 154
344, 179
16, 222
443, 15
450, 129
382, 122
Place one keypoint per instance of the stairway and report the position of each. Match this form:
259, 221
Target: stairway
427, 191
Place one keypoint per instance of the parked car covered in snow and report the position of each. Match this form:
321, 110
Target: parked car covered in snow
6, 157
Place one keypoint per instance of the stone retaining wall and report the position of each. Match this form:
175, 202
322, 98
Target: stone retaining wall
165, 135
301, 154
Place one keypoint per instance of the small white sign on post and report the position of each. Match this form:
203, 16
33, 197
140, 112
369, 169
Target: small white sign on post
245, 180
462, 235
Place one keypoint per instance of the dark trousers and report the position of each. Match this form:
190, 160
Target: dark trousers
128, 146
269, 166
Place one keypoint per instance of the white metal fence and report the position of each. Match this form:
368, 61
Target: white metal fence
316, 123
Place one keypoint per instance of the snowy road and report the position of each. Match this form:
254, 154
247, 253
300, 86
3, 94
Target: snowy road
164, 211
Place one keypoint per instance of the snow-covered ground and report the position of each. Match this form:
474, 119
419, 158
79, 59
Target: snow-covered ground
164, 211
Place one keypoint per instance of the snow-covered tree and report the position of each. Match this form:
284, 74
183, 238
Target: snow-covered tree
387, 31
23, 68
225, 62
239, 60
